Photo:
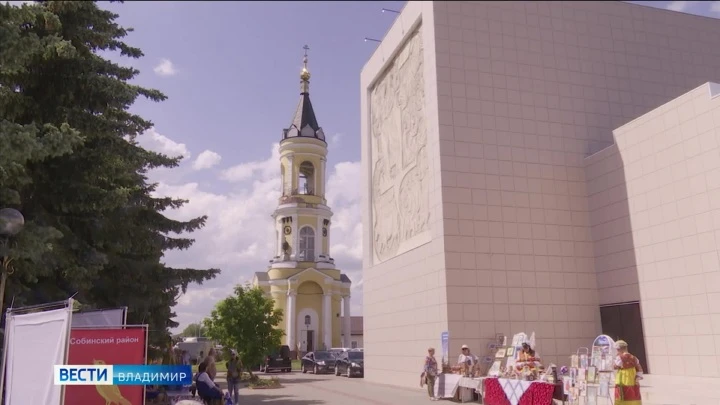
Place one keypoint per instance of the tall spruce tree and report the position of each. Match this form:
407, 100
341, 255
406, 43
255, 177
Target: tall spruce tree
69, 161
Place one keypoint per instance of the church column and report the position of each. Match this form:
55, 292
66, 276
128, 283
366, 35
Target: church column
327, 320
291, 319
291, 174
295, 238
319, 239
322, 171
346, 321
280, 228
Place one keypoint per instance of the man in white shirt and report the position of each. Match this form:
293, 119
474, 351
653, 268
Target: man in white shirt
466, 357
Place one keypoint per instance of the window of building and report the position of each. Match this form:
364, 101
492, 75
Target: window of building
354, 344
306, 178
307, 244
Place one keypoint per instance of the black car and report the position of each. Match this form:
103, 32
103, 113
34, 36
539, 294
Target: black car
278, 361
350, 364
318, 362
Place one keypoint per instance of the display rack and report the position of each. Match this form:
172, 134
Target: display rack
591, 374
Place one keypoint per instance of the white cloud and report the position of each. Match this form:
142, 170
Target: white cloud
165, 68
265, 170
715, 7
335, 140
239, 236
156, 142
206, 160
679, 5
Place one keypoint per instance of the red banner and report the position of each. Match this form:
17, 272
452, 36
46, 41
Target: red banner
106, 346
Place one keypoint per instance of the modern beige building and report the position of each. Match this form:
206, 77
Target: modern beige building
302, 277
523, 172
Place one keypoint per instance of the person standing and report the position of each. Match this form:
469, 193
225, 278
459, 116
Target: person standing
210, 361
466, 357
234, 370
467, 360
629, 372
430, 371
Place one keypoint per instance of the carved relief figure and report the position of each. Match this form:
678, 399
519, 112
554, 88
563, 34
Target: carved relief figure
400, 192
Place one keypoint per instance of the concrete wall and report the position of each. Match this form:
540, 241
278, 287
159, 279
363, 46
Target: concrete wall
671, 160
525, 92
404, 302
615, 262
522, 93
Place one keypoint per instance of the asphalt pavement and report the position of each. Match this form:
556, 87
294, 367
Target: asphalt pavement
327, 389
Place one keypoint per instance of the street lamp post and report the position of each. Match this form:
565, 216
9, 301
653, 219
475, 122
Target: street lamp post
11, 222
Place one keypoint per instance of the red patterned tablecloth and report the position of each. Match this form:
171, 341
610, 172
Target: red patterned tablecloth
515, 392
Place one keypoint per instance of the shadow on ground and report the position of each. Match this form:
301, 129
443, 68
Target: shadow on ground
259, 398
296, 380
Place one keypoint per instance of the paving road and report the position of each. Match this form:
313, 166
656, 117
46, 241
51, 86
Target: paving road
309, 389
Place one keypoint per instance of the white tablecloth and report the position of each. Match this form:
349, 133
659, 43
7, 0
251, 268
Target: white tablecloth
446, 385
474, 383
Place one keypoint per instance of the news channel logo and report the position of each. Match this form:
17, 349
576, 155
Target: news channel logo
122, 375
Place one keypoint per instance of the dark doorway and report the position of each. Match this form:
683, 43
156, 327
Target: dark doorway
623, 321
311, 344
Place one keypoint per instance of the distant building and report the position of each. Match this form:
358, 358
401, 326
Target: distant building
356, 332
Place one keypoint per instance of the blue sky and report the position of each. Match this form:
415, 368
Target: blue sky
231, 72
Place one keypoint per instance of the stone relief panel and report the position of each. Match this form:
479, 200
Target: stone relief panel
400, 191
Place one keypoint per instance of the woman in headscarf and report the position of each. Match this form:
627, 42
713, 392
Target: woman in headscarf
629, 371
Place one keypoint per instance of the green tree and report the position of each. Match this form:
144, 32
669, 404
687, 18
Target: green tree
247, 322
194, 329
70, 162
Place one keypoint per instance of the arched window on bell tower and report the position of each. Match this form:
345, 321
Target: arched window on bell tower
306, 251
306, 178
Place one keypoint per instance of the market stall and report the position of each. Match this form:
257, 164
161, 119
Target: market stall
516, 376
507, 391
590, 378
469, 386
460, 380
446, 385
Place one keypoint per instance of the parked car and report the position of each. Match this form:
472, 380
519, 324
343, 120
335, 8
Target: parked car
337, 351
350, 364
318, 362
278, 361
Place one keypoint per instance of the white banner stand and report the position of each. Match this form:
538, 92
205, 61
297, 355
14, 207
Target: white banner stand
36, 339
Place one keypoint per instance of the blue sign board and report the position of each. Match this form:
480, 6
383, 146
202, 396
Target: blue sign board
445, 340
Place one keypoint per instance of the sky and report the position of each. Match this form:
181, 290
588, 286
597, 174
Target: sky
231, 74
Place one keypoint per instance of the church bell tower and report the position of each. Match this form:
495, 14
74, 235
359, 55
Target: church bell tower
302, 277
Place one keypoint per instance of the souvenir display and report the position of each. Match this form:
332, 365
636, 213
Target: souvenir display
495, 369
518, 360
603, 353
590, 376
